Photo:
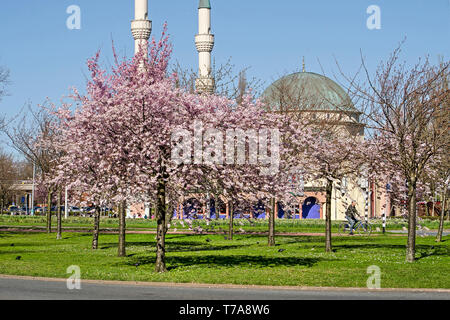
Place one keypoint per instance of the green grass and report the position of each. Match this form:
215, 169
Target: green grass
282, 225
245, 260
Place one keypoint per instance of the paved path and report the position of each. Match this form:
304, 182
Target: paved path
113, 231
27, 288
421, 232
39, 229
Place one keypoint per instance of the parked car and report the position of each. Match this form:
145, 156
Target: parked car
41, 210
37, 210
75, 210
14, 210
88, 209
26, 210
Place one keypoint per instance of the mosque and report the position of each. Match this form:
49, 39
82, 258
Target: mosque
315, 94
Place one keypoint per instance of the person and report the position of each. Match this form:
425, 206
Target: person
351, 214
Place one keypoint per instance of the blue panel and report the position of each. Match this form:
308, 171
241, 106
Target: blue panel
280, 211
310, 210
259, 210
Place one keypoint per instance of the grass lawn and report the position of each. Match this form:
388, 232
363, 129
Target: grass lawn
245, 260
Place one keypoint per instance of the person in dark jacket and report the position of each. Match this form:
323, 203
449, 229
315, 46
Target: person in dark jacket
351, 214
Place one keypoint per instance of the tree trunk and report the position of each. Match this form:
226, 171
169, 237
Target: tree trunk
441, 218
96, 231
217, 207
122, 228
231, 216
58, 217
328, 246
432, 207
448, 216
49, 212
411, 245
271, 240
169, 217
160, 265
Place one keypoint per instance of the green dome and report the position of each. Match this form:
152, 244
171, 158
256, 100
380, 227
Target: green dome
307, 91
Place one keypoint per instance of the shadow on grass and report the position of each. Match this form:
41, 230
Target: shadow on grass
423, 250
300, 239
430, 250
4, 235
227, 261
179, 246
76, 235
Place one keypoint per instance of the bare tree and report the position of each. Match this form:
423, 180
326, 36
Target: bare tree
24, 169
229, 82
26, 133
407, 106
4, 81
7, 178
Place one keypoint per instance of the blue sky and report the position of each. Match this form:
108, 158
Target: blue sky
45, 58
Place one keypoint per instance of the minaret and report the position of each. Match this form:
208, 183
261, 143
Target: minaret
141, 27
204, 42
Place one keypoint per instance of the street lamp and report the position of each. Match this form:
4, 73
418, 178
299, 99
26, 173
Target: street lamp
66, 209
344, 186
32, 190
388, 190
364, 185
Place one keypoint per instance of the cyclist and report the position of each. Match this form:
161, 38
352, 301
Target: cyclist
351, 214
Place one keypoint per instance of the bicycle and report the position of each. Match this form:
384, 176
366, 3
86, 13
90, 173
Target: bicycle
363, 228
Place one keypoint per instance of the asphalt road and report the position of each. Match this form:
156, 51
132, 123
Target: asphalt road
423, 233
26, 289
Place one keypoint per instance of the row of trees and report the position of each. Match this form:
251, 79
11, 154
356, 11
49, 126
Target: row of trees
118, 144
26, 133
11, 169
408, 112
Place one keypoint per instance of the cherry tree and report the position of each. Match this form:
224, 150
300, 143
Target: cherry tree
323, 146
121, 142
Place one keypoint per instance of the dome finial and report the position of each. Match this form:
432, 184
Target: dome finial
204, 4
303, 64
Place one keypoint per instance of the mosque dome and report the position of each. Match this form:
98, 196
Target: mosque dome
308, 91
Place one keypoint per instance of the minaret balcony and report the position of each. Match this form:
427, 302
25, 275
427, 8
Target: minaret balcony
141, 29
205, 85
204, 42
